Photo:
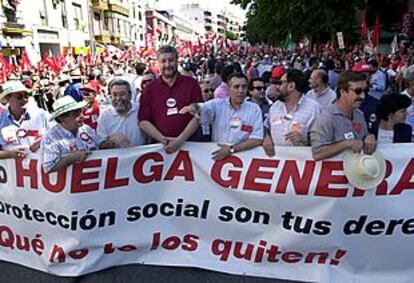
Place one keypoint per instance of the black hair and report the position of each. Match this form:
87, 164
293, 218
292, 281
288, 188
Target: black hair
251, 82
297, 76
345, 78
140, 68
237, 75
226, 72
391, 103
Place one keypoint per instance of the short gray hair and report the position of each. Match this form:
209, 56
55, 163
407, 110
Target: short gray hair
119, 82
167, 49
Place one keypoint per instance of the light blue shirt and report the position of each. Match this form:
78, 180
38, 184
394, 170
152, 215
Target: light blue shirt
410, 117
325, 98
378, 84
59, 142
22, 134
231, 126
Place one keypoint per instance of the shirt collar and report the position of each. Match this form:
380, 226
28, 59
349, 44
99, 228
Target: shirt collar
12, 118
227, 102
177, 80
65, 132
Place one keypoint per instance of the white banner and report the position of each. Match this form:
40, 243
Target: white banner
286, 217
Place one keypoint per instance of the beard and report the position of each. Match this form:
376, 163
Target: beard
169, 72
282, 96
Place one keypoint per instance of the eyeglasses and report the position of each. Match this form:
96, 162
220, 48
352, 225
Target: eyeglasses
208, 90
359, 90
259, 88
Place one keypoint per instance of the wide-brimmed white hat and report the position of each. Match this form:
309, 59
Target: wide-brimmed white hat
10, 87
364, 171
65, 104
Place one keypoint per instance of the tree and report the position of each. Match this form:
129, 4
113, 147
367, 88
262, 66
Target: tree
271, 20
230, 35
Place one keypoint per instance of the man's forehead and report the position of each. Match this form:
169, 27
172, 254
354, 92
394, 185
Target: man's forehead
166, 55
357, 84
237, 81
119, 88
258, 83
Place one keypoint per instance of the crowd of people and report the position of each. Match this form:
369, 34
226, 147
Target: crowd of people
330, 101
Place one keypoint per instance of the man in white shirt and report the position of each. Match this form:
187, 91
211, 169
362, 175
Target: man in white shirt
290, 117
236, 123
320, 91
21, 127
122, 116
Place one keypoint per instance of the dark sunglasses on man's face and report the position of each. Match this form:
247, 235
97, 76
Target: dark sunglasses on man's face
146, 81
208, 90
259, 88
359, 90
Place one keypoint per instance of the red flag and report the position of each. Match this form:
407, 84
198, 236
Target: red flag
364, 28
123, 56
377, 32
25, 63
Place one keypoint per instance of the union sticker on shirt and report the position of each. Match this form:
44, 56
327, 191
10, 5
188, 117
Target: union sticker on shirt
235, 123
172, 111
9, 134
277, 120
85, 137
349, 136
171, 102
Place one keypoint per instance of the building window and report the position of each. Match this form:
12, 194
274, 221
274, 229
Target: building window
77, 16
139, 16
97, 23
105, 22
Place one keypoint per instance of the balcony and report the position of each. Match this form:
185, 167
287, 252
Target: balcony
103, 37
115, 40
15, 29
119, 9
100, 4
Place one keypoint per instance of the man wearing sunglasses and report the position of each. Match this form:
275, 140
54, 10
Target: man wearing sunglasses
257, 94
342, 126
21, 126
292, 115
207, 90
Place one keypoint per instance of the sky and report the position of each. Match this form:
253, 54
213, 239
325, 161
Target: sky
215, 5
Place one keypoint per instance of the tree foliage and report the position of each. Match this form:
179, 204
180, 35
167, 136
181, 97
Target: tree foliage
271, 20
230, 35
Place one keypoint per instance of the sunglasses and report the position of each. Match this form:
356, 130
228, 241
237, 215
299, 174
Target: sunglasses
146, 81
359, 90
208, 90
259, 88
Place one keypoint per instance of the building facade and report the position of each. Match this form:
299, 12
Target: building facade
160, 28
43, 26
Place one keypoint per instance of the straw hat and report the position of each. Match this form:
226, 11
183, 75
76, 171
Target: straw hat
364, 171
65, 104
10, 87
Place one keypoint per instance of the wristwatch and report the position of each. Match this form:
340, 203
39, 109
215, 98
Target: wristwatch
231, 149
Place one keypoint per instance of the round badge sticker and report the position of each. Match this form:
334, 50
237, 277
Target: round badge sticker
21, 133
85, 137
171, 102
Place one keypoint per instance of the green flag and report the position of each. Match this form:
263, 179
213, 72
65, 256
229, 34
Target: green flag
288, 44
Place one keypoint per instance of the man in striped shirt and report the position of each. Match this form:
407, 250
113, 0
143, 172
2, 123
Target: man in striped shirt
290, 117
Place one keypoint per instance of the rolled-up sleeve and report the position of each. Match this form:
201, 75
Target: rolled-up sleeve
321, 133
257, 132
51, 154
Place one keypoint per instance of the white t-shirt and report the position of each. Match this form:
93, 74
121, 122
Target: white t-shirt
110, 122
385, 136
